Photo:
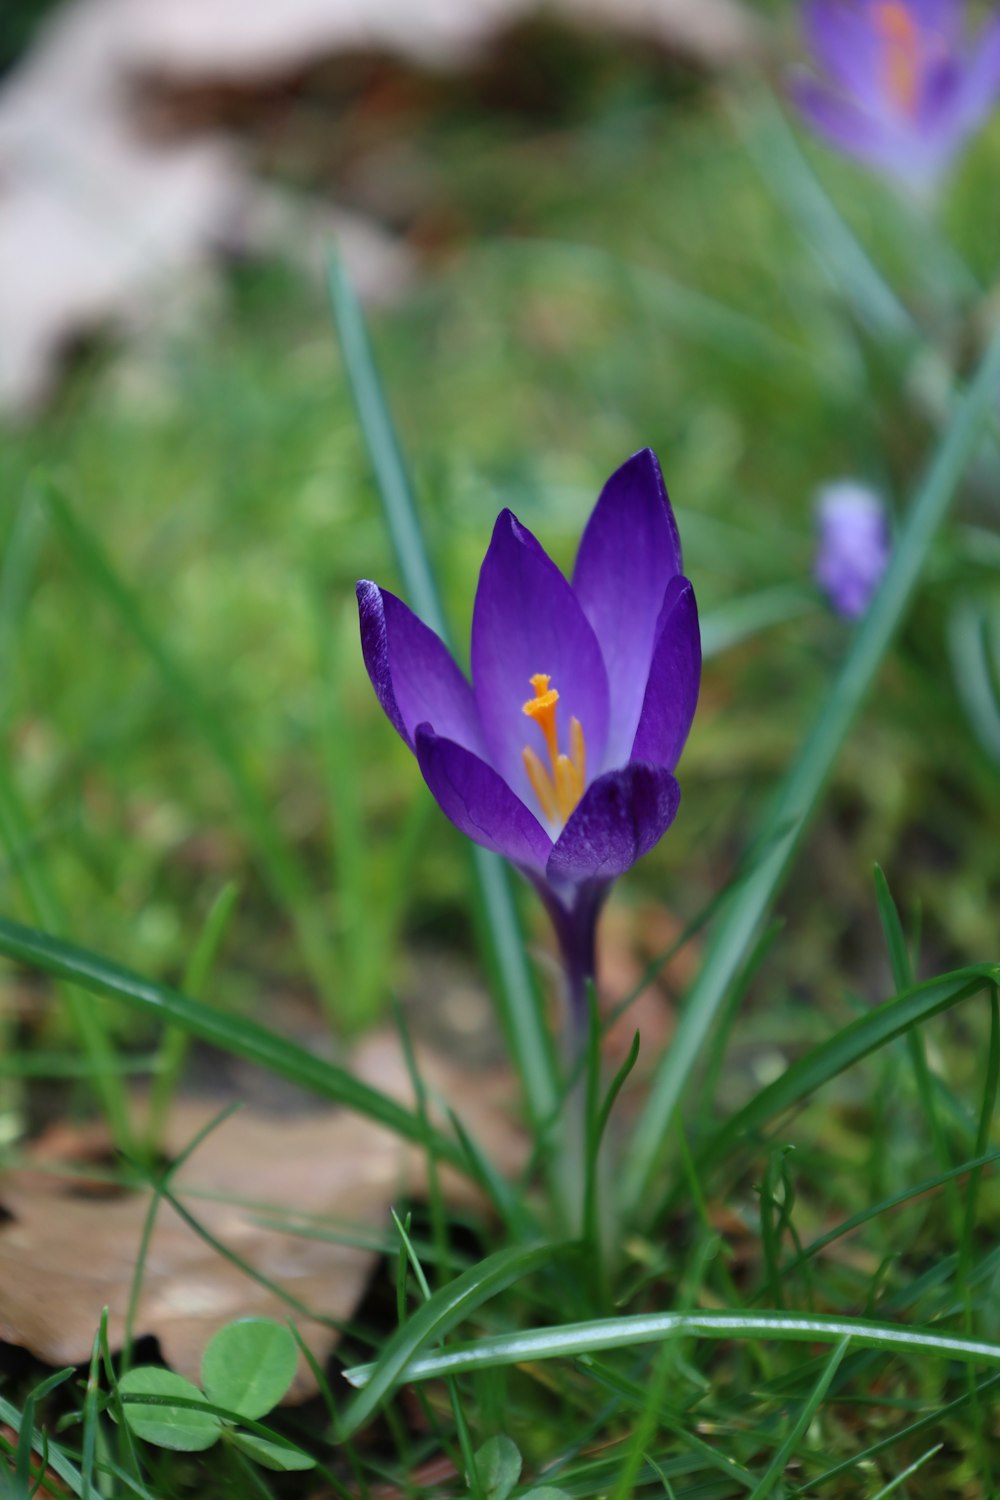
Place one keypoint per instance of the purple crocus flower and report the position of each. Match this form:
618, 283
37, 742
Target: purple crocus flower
904, 87
854, 545
561, 754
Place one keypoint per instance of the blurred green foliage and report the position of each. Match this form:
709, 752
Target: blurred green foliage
616, 272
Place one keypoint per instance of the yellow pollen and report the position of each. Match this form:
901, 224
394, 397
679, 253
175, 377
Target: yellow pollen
902, 53
558, 786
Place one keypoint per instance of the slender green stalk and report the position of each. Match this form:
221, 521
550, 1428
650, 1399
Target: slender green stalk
159, 1185
521, 1013
177, 1041
800, 794
902, 976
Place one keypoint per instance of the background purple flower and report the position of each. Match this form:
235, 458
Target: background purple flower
904, 86
854, 545
560, 754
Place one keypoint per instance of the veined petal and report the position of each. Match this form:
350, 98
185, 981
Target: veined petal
526, 621
412, 671
674, 678
629, 551
621, 816
480, 803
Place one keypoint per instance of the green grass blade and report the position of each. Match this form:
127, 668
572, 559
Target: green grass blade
56, 1458
776, 154
17, 573
974, 672
575, 1339
779, 1462
902, 976
175, 1043
45, 907
731, 624
908, 1472
436, 1317
522, 1018
885, 1205
287, 880
801, 791
938, 1419
233, 1034
847, 1047
680, 309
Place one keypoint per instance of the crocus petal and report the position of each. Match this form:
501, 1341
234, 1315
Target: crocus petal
941, 20
412, 671
845, 43
674, 678
480, 803
526, 621
848, 128
628, 553
621, 816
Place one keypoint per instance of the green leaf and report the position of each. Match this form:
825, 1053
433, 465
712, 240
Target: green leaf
176, 1427
573, 1340
801, 790
249, 1365
242, 1037
498, 1467
271, 1455
546, 1492
436, 1317
847, 1047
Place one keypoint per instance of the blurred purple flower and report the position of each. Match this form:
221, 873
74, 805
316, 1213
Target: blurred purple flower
561, 755
904, 87
854, 545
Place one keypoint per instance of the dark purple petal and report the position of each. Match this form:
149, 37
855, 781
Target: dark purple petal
629, 552
621, 816
480, 803
527, 620
412, 671
674, 679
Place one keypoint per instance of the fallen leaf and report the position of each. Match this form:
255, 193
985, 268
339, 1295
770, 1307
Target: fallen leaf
66, 1252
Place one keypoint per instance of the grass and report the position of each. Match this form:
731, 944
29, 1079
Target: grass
791, 1290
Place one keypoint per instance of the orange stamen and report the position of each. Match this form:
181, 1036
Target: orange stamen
902, 53
558, 787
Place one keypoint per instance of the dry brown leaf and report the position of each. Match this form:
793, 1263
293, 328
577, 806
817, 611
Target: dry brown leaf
65, 1252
